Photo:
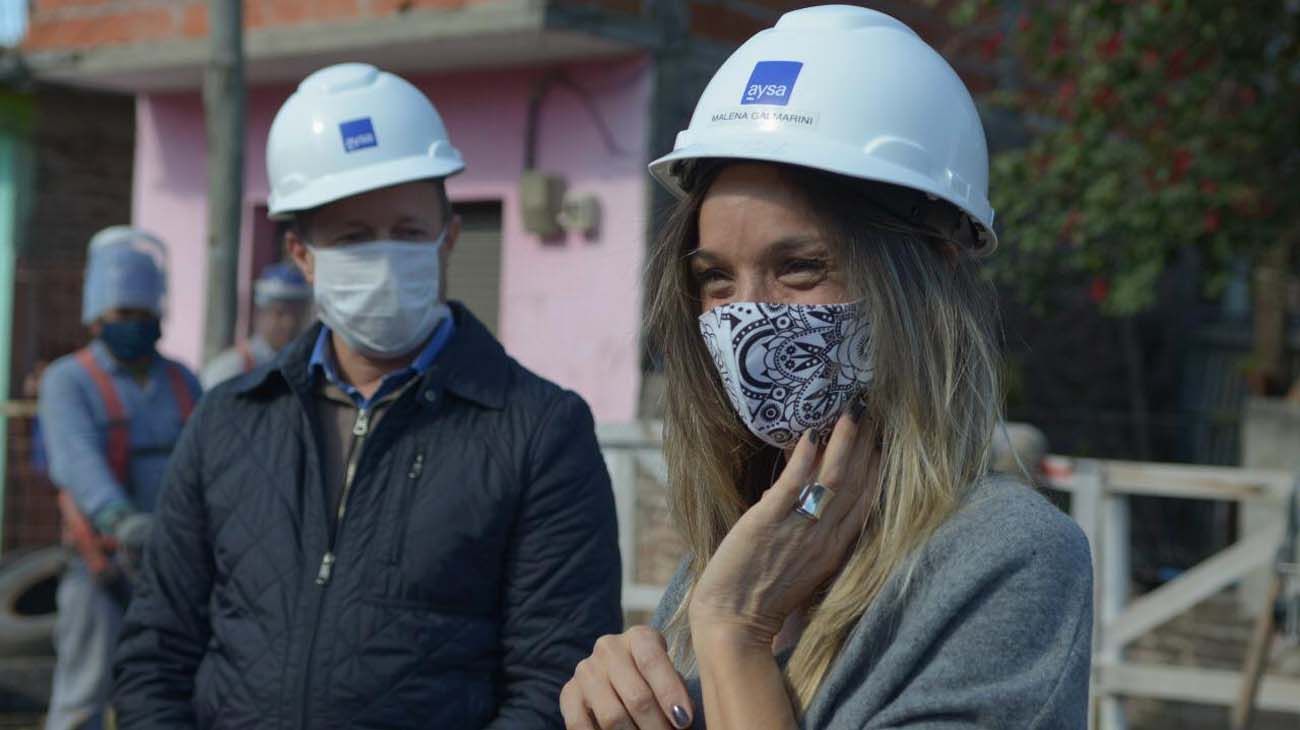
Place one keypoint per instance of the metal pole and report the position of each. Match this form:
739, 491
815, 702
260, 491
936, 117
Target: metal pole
8, 244
223, 103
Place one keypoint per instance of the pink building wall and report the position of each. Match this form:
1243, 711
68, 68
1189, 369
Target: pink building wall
570, 308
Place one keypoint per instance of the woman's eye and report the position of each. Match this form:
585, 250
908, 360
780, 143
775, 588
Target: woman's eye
709, 276
804, 267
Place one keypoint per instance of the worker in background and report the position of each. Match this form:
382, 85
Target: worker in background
111, 414
282, 302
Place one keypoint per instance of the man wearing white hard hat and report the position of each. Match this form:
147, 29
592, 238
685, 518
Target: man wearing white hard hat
110, 416
831, 368
282, 305
395, 525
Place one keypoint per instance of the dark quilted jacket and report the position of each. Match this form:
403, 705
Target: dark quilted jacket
477, 564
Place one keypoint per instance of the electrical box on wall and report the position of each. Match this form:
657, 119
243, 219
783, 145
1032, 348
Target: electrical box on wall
541, 197
581, 214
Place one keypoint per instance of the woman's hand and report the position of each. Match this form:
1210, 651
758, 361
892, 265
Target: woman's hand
628, 683
773, 560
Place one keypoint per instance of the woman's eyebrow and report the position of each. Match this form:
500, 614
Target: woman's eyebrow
703, 256
792, 245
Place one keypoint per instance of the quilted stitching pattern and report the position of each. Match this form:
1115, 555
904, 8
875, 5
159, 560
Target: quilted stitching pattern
422, 624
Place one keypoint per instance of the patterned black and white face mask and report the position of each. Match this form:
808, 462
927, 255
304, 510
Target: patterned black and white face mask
789, 368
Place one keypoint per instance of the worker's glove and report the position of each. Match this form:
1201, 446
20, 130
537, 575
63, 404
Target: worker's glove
130, 529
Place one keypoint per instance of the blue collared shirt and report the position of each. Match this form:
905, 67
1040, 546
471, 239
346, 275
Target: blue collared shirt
322, 362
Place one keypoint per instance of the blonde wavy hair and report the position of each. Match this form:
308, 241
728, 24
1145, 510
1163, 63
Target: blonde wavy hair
935, 398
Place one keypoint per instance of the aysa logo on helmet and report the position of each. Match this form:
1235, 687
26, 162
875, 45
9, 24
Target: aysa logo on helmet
771, 82
358, 134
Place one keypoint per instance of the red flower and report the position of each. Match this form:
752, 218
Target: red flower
1182, 161
1110, 47
1174, 66
1209, 187
1072, 221
1211, 222
1248, 96
1150, 59
1060, 43
990, 46
1099, 289
1104, 98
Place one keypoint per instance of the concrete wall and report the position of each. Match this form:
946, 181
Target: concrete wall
570, 308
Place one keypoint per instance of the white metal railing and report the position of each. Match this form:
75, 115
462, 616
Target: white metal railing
1100, 492
1099, 503
631, 450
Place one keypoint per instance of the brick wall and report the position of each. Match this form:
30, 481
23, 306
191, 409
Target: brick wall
83, 145
72, 24
81, 24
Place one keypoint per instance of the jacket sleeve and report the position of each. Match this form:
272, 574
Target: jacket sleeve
166, 629
563, 576
1001, 634
74, 443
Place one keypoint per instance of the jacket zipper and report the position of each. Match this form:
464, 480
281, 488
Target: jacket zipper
360, 429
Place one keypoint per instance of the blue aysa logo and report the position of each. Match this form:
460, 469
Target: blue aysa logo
358, 134
771, 82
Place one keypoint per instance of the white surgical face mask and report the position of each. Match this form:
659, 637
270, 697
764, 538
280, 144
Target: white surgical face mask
380, 297
789, 368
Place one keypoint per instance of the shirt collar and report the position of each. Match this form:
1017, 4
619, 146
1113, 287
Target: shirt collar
322, 362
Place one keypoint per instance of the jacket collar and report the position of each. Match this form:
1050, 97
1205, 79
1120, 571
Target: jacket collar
472, 365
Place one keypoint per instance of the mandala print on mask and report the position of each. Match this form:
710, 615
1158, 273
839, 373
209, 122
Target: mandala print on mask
789, 368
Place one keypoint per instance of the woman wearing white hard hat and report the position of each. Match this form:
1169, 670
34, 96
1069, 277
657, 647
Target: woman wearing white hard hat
832, 386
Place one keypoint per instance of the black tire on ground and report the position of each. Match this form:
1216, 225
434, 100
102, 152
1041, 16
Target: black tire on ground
28, 584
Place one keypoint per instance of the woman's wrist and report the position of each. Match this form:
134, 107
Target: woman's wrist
727, 636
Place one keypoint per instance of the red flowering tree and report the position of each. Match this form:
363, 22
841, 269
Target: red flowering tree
1155, 125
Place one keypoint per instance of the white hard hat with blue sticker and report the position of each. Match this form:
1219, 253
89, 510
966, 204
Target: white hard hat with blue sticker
348, 129
851, 91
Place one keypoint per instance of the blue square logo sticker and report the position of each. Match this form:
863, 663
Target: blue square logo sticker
771, 82
358, 134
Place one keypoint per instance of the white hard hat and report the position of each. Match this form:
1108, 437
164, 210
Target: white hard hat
850, 91
348, 129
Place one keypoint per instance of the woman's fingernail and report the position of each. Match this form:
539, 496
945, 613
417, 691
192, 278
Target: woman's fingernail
857, 409
681, 718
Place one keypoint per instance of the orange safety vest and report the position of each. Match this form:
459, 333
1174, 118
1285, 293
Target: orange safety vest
94, 548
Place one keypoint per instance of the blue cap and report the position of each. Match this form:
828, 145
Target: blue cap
280, 283
125, 269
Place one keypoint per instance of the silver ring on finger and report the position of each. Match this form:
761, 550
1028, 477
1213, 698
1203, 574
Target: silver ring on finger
813, 500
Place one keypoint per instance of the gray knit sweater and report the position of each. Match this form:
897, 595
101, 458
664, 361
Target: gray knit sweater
995, 630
